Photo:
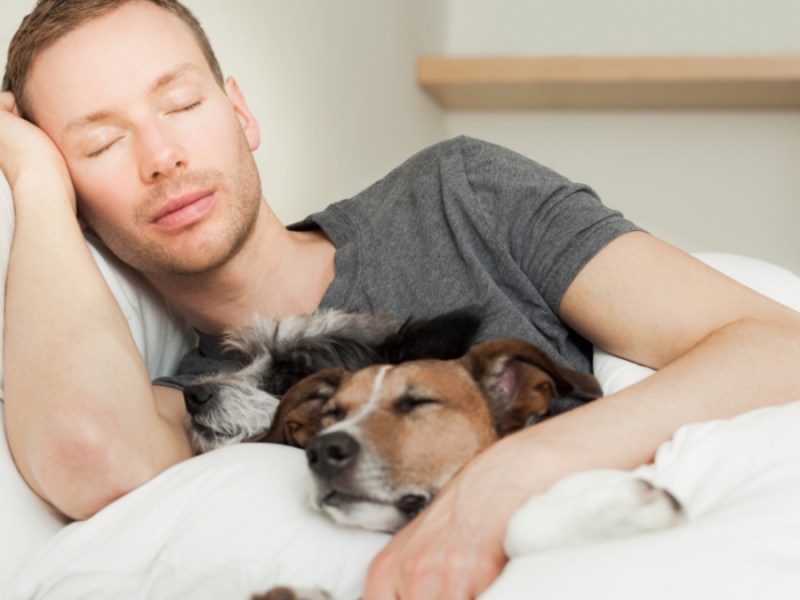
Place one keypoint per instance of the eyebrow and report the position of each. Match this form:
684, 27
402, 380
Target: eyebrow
167, 78
160, 83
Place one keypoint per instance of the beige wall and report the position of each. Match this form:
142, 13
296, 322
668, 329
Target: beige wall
333, 86
589, 27
707, 181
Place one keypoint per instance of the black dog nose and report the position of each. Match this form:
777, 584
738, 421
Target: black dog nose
329, 453
198, 397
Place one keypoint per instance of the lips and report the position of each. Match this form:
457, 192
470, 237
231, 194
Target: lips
184, 210
340, 499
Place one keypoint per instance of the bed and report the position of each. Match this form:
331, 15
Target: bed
236, 520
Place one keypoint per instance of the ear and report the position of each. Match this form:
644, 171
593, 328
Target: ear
444, 337
297, 419
519, 382
246, 119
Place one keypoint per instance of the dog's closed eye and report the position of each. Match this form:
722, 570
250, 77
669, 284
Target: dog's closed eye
332, 413
408, 403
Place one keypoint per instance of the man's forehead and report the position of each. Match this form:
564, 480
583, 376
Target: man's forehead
107, 59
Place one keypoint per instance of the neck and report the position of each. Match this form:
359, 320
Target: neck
276, 273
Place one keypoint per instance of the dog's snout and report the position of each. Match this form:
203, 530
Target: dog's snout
329, 453
197, 397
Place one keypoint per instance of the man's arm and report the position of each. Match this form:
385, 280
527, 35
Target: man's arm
83, 422
720, 348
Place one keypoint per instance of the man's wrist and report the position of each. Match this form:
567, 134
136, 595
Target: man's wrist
42, 184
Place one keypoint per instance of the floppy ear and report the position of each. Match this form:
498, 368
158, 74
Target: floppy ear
297, 419
520, 382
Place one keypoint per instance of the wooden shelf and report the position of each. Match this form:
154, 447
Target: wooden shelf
683, 82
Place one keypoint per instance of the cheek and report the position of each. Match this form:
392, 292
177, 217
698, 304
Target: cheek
101, 191
210, 141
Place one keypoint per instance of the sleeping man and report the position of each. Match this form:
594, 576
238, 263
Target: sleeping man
117, 111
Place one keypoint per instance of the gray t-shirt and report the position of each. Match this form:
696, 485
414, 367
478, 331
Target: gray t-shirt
464, 223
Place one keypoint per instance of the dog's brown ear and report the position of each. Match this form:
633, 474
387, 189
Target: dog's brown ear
520, 381
297, 419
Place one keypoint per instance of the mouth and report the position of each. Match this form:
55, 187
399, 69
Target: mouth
370, 513
409, 505
340, 499
182, 211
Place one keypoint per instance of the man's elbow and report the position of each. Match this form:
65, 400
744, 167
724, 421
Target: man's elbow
82, 468
82, 475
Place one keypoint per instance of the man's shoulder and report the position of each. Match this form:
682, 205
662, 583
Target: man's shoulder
459, 147
442, 174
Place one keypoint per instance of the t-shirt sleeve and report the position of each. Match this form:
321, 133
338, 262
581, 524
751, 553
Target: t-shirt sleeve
208, 357
551, 226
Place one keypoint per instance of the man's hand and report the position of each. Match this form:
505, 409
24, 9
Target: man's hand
454, 549
24, 148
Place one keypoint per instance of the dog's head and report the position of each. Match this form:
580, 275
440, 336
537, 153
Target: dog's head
382, 441
271, 355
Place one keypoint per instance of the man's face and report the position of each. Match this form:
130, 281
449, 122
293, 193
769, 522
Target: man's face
159, 154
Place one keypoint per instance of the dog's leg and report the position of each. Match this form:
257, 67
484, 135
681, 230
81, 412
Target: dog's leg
590, 506
293, 593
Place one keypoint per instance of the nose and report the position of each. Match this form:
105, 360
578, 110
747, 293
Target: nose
330, 453
198, 398
161, 154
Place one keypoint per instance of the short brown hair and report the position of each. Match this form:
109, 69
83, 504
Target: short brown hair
50, 20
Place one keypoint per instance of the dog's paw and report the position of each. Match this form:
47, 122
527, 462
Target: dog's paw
293, 593
590, 506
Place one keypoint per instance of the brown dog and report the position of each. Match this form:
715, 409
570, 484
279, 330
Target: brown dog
382, 441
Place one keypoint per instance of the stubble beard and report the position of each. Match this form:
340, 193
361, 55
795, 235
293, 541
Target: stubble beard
155, 258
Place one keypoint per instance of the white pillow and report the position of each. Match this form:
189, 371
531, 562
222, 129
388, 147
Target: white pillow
26, 522
221, 525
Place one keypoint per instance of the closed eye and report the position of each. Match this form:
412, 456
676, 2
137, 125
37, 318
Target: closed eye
333, 414
188, 107
100, 151
408, 404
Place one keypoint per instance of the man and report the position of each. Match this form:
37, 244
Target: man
157, 151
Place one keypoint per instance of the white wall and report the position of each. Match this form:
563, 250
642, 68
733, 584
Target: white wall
704, 180
592, 27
